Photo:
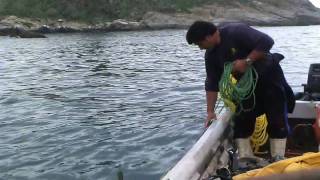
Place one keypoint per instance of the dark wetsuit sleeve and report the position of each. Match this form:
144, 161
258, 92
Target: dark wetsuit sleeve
251, 39
212, 80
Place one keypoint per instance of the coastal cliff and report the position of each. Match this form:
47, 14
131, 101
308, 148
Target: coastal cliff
256, 12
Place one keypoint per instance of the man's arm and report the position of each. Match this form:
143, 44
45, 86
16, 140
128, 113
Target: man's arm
251, 39
211, 102
256, 55
211, 87
240, 65
257, 42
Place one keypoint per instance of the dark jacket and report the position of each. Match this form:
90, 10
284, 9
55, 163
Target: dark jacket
237, 41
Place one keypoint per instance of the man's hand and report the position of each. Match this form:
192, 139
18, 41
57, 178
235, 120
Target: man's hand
239, 66
211, 116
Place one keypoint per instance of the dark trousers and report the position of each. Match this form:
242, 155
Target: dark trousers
271, 100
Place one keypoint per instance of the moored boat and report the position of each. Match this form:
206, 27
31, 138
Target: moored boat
214, 156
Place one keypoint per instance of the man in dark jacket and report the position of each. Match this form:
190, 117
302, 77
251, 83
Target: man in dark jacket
246, 46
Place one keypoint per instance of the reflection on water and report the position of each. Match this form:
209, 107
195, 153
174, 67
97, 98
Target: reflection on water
83, 106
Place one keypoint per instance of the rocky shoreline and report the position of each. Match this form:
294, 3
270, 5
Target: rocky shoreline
260, 13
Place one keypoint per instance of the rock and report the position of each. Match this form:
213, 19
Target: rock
4, 32
121, 24
24, 23
21, 33
45, 29
65, 30
17, 27
264, 12
255, 12
156, 20
307, 19
18, 32
4, 29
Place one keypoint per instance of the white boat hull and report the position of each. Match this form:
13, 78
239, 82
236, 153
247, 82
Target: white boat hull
194, 164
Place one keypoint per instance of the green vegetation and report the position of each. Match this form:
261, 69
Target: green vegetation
94, 10
98, 10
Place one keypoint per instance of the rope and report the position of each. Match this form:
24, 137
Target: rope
236, 93
260, 135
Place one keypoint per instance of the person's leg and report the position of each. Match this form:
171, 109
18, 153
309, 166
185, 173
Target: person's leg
276, 112
243, 128
244, 125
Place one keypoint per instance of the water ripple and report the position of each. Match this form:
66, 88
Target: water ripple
84, 106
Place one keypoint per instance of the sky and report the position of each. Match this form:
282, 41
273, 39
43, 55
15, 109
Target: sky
315, 3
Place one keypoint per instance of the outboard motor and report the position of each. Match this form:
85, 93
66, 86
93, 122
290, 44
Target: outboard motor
313, 85
312, 88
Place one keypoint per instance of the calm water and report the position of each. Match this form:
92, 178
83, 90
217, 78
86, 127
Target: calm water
84, 106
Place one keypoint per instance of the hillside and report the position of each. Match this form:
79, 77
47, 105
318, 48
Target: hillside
95, 10
102, 10
109, 15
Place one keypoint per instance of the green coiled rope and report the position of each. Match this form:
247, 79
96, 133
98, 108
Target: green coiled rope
237, 92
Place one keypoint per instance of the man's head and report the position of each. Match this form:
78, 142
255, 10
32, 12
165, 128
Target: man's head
204, 34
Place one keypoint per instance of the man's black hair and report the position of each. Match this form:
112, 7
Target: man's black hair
199, 30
